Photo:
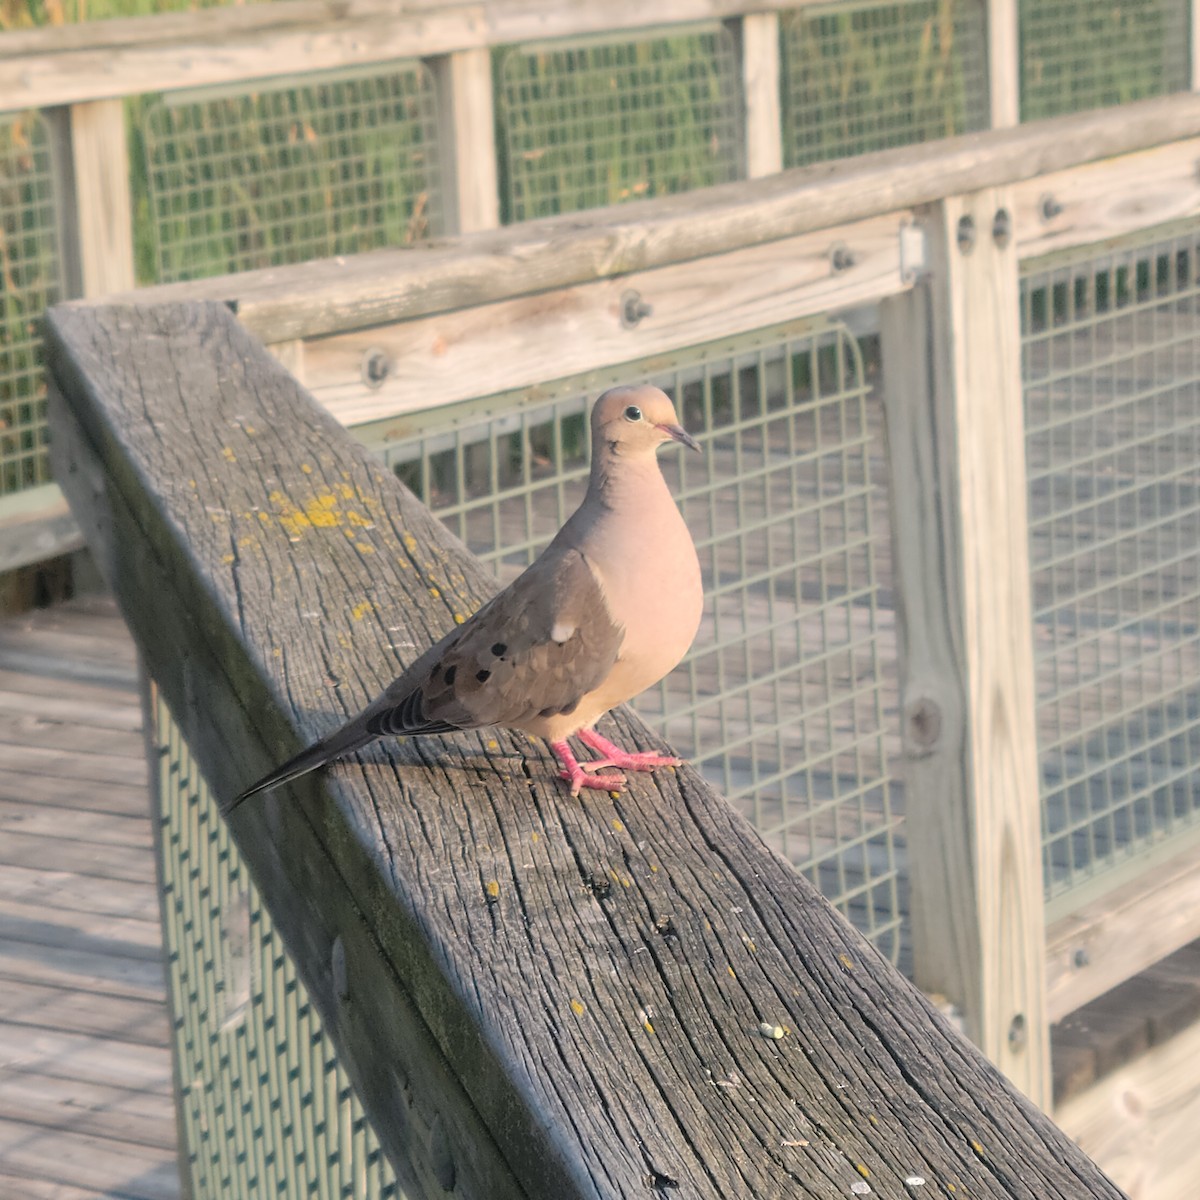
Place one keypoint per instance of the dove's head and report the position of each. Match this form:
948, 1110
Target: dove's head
635, 421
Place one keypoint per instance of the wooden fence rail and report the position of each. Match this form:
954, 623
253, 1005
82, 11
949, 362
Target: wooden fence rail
517, 307
80, 77
535, 996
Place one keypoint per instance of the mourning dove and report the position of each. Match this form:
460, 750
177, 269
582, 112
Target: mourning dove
609, 607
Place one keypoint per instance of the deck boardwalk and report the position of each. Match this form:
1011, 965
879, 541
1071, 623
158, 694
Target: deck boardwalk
86, 1105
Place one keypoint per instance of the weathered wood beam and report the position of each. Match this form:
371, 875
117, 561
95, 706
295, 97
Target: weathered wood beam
561, 998
384, 286
105, 59
1121, 934
1142, 1118
36, 525
525, 340
528, 340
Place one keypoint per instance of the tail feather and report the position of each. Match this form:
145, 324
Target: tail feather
342, 741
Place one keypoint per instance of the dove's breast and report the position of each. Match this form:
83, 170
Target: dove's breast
653, 591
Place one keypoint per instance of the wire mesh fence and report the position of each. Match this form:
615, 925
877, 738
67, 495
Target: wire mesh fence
265, 1109
1111, 360
600, 121
860, 77
787, 701
289, 171
1076, 54
29, 281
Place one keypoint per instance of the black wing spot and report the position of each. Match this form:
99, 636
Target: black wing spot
483, 676
499, 648
450, 674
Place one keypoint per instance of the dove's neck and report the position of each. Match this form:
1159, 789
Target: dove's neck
620, 484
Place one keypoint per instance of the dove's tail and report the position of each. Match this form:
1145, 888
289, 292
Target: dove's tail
342, 741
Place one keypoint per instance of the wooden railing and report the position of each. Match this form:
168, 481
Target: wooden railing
514, 307
534, 996
510, 308
80, 76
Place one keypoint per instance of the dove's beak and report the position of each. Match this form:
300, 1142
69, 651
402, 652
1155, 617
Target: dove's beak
679, 434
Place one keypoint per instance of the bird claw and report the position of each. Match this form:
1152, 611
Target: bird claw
587, 775
580, 779
642, 761
623, 760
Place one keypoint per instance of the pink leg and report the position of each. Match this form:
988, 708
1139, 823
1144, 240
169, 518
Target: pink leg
614, 756
577, 777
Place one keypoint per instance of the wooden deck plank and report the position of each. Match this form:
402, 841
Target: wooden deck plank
81, 693
12, 1188
70, 659
64, 891
82, 795
97, 829
73, 1010
134, 937
106, 862
57, 763
112, 708
124, 1115
64, 966
86, 1087
124, 1169
24, 729
85, 1057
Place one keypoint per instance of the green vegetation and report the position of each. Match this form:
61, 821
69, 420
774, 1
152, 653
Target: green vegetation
338, 164
597, 122
28, 283
1077, 54
26, 14
869, 76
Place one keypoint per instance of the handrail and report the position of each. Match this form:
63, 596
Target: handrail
333, 295
124, 57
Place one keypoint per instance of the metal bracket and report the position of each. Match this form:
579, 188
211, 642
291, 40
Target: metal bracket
914, 251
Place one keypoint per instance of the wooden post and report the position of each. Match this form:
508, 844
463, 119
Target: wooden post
758, 37
467, 139
103, 208
1004, 62
1194, 39
951, 352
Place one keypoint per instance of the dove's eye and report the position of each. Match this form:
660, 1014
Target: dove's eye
633, 413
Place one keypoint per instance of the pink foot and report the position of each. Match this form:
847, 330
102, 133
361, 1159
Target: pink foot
580, 777
614, 756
